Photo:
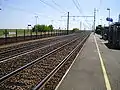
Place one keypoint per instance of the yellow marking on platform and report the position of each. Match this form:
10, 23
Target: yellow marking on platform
107, 82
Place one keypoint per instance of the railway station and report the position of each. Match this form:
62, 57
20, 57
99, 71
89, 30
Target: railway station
94, 67
59, 45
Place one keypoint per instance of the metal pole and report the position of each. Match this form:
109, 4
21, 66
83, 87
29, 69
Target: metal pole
101, 21
36, 19
16, 35
31, 33
109, 16
24, 34
68, 23
6, 33
94, 19
80, 25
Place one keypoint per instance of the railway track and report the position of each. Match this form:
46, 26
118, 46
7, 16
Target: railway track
16, 62
30, 74
21, 49
53, 78
26, 44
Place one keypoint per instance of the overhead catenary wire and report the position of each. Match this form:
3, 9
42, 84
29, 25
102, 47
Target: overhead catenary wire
51, 6
59, 6
77, 6
26, 11
79, 9
82, 12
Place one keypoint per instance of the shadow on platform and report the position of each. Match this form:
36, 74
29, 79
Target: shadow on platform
111, 47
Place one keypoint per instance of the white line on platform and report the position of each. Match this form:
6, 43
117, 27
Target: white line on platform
107, 83
69, 68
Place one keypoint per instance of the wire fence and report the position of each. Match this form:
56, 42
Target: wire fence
17, 35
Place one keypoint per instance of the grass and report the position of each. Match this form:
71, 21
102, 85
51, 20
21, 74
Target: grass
20, 32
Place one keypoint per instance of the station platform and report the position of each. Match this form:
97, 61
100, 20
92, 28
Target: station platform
95, 68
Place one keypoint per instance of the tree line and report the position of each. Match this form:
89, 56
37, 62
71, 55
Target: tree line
42, 28
45, 28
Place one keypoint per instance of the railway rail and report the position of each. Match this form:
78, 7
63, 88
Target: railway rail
26, 44
41, 85
30, 74
21, 49
16, 62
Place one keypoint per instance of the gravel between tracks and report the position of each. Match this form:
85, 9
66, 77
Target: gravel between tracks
14, 50
54, 81
15, 63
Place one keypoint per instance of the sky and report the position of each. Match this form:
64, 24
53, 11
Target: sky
19, 13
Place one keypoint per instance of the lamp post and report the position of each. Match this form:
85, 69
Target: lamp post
36, 19
109, 14
101, 21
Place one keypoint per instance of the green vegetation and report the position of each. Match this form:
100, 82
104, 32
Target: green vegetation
75, 29
99, 29
1, 32
42, 28
20, 32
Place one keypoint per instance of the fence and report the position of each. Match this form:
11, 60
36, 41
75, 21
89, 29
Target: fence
17, 35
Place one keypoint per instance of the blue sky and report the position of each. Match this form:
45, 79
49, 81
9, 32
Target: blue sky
20, 13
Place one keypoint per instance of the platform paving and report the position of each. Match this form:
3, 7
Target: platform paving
111, 58
86, 72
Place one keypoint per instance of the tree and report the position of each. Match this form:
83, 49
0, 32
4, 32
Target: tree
99, 29
51, 27
75, 29
42, 28
37, 28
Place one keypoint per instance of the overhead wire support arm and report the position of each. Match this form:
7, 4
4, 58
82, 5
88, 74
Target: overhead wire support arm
78, 16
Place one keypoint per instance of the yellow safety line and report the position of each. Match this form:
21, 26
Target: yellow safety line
107, 82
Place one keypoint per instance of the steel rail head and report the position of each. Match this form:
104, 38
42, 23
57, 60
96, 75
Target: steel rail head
21, 54
26, 46
31, 63
50, 75
14, 49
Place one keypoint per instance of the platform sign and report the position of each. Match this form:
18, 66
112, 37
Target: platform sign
109, 19
29, 25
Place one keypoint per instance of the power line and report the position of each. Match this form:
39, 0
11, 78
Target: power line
50, 5
26, 11
58, 5
77, 6
83, 13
